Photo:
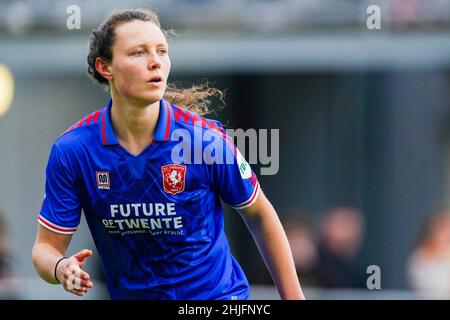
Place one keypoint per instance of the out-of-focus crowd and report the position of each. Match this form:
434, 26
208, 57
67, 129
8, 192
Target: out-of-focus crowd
328, 254
8, 276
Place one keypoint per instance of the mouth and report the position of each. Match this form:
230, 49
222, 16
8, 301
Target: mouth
155, 80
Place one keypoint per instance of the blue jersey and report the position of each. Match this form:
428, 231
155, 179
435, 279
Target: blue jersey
156, 218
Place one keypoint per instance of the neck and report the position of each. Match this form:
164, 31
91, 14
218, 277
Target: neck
134, 122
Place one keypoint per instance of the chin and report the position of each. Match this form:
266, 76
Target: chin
154, 94
150, 98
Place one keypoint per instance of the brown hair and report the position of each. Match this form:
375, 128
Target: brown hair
196, 98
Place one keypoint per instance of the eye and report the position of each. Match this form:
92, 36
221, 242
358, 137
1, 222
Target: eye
162, 51
138, 53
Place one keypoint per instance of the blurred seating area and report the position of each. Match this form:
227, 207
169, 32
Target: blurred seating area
220, 16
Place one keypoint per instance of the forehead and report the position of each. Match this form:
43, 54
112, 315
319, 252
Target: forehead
139, 32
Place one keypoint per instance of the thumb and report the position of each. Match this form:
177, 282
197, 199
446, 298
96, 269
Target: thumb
83, 255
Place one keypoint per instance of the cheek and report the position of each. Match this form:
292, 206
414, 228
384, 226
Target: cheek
126, 76
167, 66
128, 71
125, 88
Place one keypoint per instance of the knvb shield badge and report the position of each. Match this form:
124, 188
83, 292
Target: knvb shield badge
174, 176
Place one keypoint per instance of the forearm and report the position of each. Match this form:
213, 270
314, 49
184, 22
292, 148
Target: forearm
44, 258
272, 242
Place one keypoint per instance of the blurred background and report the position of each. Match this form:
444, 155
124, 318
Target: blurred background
364, 127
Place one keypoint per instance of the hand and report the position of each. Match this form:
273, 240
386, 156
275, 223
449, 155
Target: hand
70, 274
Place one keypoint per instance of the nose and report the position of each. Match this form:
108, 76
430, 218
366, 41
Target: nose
155, 62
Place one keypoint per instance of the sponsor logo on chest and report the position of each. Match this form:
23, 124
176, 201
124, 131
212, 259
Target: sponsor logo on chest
102, 178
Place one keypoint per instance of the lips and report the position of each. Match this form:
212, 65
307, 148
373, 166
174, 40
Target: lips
155, 79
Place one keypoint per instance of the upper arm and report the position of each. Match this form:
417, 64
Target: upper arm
259, 208
57, 240
61, 208
256, 207
231, 176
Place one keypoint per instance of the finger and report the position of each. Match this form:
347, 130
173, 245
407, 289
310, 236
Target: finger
86, 280
82, 290
86, 284
84, 275
75, 278
82, 255
77, 286
76, 271
76, 292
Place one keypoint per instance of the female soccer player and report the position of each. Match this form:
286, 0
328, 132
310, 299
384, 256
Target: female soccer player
153, 207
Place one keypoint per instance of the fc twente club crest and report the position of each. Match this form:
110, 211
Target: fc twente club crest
174, 176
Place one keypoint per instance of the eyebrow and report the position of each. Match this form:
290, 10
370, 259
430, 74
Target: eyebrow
145, 45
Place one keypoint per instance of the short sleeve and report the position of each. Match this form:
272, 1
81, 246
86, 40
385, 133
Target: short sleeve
61, 208
233, 178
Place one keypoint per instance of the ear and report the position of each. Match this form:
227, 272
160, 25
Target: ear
103, 68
